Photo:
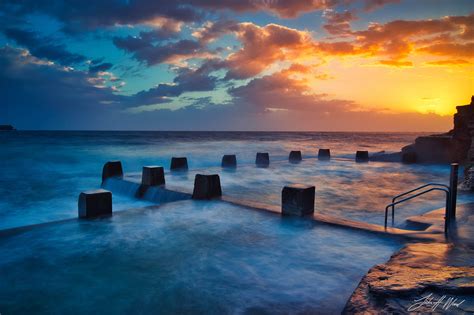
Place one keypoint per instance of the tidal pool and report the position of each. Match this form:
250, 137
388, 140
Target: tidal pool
185, 257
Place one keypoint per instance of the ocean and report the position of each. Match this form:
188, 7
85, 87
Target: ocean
43, 172
200, 257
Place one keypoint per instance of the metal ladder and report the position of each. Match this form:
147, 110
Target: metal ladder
451, 196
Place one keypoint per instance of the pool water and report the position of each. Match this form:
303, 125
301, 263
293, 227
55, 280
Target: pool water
185, 257
349, 190
43, 172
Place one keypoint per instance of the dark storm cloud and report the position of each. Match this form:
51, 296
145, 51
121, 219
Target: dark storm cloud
39, 94
371, 5
93, 68
187, 80
88, 15
146, 49
43, 47
78, 16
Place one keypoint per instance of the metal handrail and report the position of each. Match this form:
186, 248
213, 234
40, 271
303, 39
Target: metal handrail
413, 190
446, 190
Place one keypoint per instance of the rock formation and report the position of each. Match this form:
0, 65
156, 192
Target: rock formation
7, 128
417, 271
453, 146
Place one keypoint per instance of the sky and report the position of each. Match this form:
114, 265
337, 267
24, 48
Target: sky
299, 65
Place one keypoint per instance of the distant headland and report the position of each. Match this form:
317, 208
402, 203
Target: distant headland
7, 128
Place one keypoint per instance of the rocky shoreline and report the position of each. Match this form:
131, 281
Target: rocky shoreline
415, 272
455, 146
440, 270
7, 128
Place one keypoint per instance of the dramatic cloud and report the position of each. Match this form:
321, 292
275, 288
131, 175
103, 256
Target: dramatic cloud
399, 38
78, 16
150, 50
38, 93
396, 63
43, 47
286, 9
261, 46
101, 67
371, 5
187, 80
338, 23
81, 73
449, 62
450, 49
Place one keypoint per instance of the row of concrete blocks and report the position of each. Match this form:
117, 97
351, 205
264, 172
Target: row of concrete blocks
263, 159
230, 160
296, 199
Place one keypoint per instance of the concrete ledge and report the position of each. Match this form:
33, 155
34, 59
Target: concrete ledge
207, 186
179, 163
297, 200
95, 203
153, 176
112, 169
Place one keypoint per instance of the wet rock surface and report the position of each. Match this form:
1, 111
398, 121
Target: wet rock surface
415, 279
424, 278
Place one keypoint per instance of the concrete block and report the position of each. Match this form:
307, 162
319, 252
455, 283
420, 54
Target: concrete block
95, 203
297, 200
295, 157
324, 154
153, 176
229, 160
207, 186
112, 169
179, 163
362, 156
262, 159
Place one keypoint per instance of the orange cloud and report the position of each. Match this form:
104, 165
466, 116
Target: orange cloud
263, 46
450, 49
396, 63
285, 9
449, 62
338, 23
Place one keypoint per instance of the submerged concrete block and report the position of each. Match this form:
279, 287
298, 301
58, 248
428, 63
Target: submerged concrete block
297, 200
229, 160
324, 154
153, 176
94, 203
112, 169
262, 159
207, 186
179, 163
295, 156
362, 156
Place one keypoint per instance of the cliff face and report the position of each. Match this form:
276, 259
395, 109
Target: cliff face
454, 146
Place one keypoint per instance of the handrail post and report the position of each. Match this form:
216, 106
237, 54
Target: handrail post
447, 212
453, 189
